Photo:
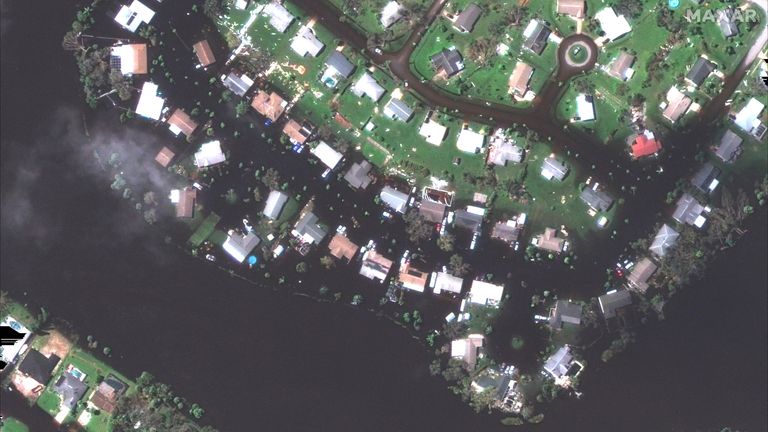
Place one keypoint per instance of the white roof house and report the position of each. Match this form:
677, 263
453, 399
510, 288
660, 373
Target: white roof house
239, 246
747, 118
448, 282
150, 104
394, 198
327, 155
305, 42
665, 239
209, 154
367, 85
130, 17
485, 293
433, 131
553, 169
613, 25
274, 204
390, 13
133, 58
279, 17
470, 141
585, 108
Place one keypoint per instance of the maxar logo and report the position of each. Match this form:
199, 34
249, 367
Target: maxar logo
715, 15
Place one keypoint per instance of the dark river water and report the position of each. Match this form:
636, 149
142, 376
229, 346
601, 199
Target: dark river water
257, 359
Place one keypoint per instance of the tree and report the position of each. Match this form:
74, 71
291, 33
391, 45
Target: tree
327, 262
302, 267
196, 411
271, 178
457, 266
241, 108
483, 400
213, 8
417, 228
445, 242
482, 50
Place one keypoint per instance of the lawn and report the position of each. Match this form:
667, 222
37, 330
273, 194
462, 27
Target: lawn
20, 313
366, 18
204, 230
10, 424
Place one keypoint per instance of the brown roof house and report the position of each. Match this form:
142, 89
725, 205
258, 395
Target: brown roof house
341, 247
518, 81
621, 67
270, 105
164, 157
641, 272
185, 201
297, 132
181, 122
204, 53
412, 278
432, 211
574, 8
106, 394
677, 104
129, 59
549, 241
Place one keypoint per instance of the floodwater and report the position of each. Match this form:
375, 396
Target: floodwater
262, 359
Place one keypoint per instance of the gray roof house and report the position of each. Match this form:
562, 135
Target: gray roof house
367, 85
705, 178
596, 200
727, 23
729, 148
340, 64
665, 239
70, 389
448, 61
700, 71
469, 220
564, 312
357, 176
309, 228
537, 41
560, 362
397, 109
432, 211
274, 205
613, 301
689, 211
553, 169
468, 18
394, 198
238, 84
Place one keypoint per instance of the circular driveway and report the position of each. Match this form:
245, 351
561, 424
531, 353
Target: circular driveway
570, 65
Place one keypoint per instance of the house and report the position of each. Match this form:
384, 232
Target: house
375, 266
70, 389
467, 19
306, 42
470, 141
131, 17
309, 230
503, 150
485, 293
705, 178
398, 110
150, 103
164, 157
358, 175
621, 67
433, 131
585, 108
748, 119
181, 122
700, 71
645, 144
20, 335
238, 246
689, 211
270, 105
393, 198
573, 8
185, 201
727, 23
104, 398
729, 148
327, 155
664, 240
677, 104
549, 241
37, 366
390, 14
337, 67
448, 62
468, 349
274, 205
447, 282
612, 301
614, 26
367, 85
432, 211
209, 154
238, 84
412, 278
204, 53
471, 218
640, 274
341, 247
508, 231
597, 200
518, 80
129, 59
553, 169
559, 363
279, 17
536, 34
297, 132
564, 312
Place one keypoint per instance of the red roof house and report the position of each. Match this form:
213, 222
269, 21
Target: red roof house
644, 146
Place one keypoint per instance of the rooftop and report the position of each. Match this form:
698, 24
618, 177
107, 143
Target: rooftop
448, 62
470, 141
433, 131
375, 266
37, 366
613, 25
238, 246
574, 8
536, 34
551, 168
132, 58
339, 63
341, 247
309, 229
238, 84
204, 53
150, 103
641, 273
613, 301
181, 122
565, 312
730, 147
274, 204
665, 239
677, 104
327, 155
621, 67
700, 71
306, 42
412, 278
357, 176
485, 293
468, 18
209, 154
394, 198
518, 80
397, 109
270, 105
559, 363
164, 157
550, 241
70, 389
597, 200
279, 17
448, 282
705, 178
367, 85
645, 145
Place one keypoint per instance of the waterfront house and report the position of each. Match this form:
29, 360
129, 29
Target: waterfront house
164, 157
665, 238
468, 349
180, 122
129, 59
306, 43
705, 179
70, 389
689, 211
640, 274
614, 26
358, 175
308, 229
412, 278
447, 62
270, 105
471, 218
536, 34
390, 14
559, 363
585, 108
470, 141
447, 282
518, 80
613, 301
509, 231
553, 169
564, 312
729, 148
398, 110
549, 241
150, 102
238, 84
327, 155
131, 17
727, 23
700, 71
337, 67
748, 118
279, 17
20, 334
375, 266
433, 131
204, 53
394, 199
503, 149
432, 211
621, 67
238, 246
104, 398
485, 293
573, 8
645, 144
367, 85
298, 133
597, 200
184, 200
209, 154
38, 367
341, 247
466, 20
677, 104
274, 205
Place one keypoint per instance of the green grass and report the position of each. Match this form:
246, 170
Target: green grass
11, 424
20, 313
204, 230
49, 401
367, 21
